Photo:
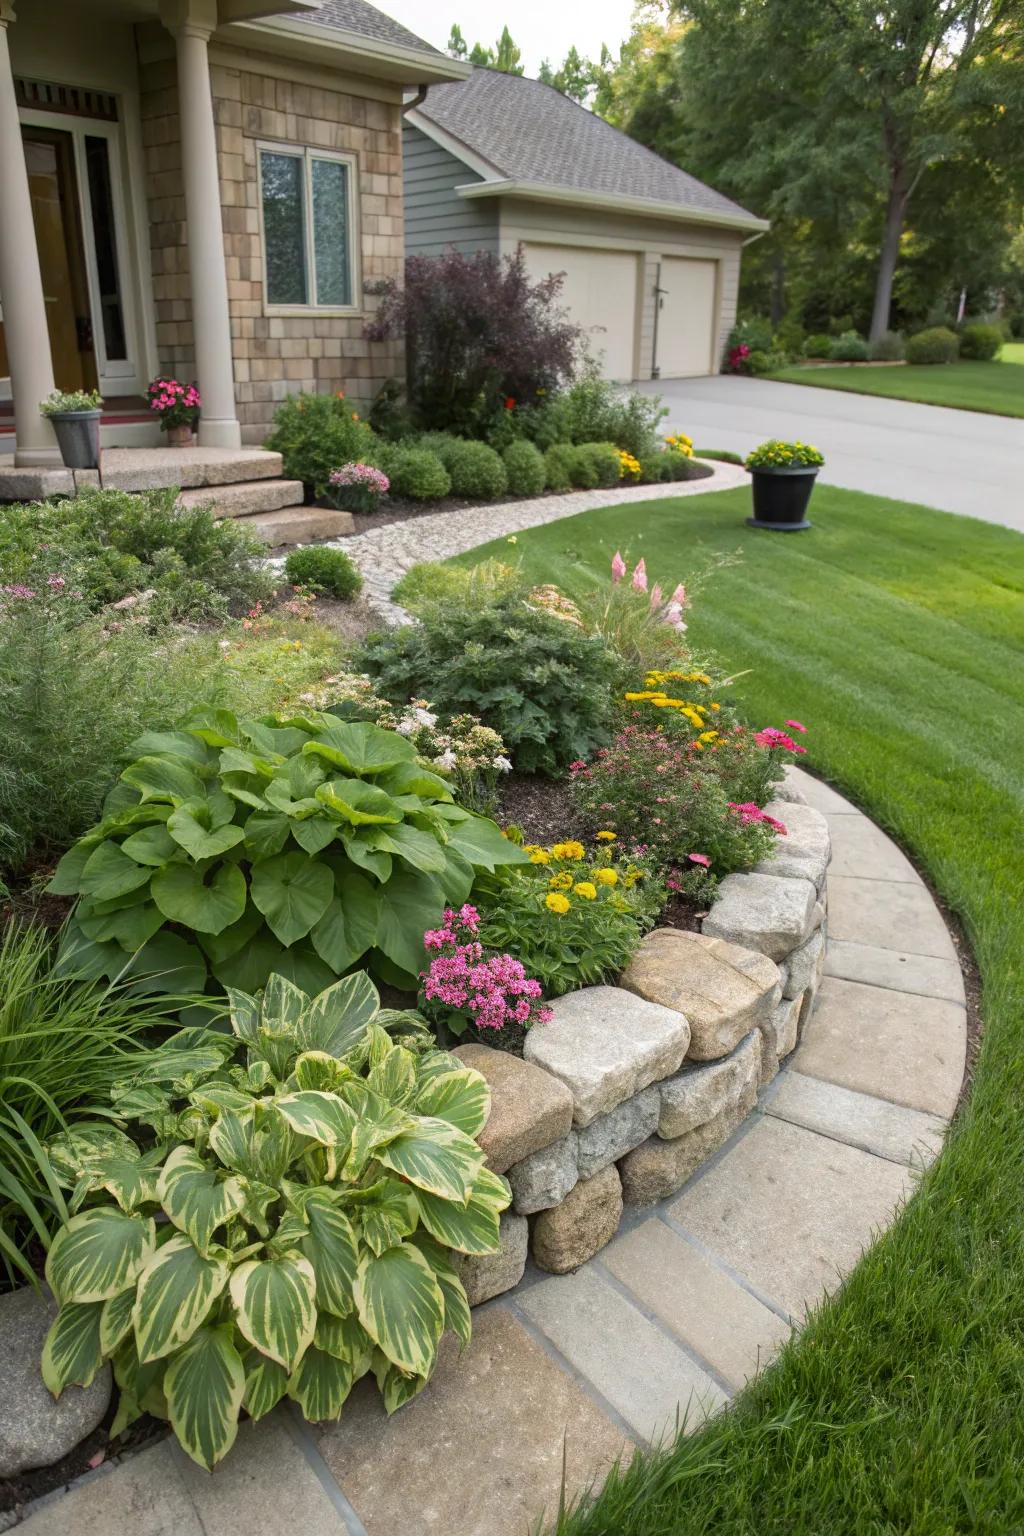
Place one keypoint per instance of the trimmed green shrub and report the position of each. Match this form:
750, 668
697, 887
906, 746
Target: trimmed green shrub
935, 345
475, 470
524, 467
323, 569
887, 348
979, 342
755, 332
317, 433
595, 464
558, 462
592, 411
431, 583
760, 362
311, 1173
418, 474
299, 845
655, 468
819, 345
545, 686
849, 348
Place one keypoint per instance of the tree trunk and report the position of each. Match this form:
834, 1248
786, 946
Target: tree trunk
895, 213
778, 301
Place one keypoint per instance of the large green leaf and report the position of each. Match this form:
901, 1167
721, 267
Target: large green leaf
153, 845
67, 877
361, 748
266, 833
315, 834
457, 1318
410, 903
131, 927
462, 1098
258, 1147
349, 926
389, 1217
394, 1078
292, 892
170, 743
116, 1318
324, 1117
266, 1383
164, 778
398, 1388
221, 946
205, 1385
108, 872
176, 1291
413, 779
98, 1254
336, 1019
196, 1197
248, 967
346, 1339
204, 827
330, 1247
481, 842
436, 1157
359, 803
132, 1180
472, 1228
420, 849
401, 1306
72, 1353
208, 900
363, 848
275, 1307
321, 1384
167, 963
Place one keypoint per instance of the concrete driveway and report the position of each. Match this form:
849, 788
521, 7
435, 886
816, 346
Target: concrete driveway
958, 461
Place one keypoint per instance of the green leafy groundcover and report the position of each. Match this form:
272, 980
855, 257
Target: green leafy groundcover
281, 1220
298, 845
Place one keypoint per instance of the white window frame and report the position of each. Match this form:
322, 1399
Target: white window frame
307, 153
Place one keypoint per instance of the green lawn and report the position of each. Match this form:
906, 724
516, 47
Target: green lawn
997, 388
897, 635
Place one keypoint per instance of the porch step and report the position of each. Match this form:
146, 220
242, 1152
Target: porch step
150, 469
244, 497
298, 525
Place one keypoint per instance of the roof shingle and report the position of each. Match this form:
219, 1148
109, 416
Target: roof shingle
530, 132
365, 20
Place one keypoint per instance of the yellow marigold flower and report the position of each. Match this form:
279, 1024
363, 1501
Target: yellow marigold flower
605, 837
570, 850
585, 889
562, 882
557, 903
606, 876
716, 706
540, 856
708, 736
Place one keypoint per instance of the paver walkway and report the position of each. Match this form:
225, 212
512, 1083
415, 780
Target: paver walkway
959, 461
689, 1300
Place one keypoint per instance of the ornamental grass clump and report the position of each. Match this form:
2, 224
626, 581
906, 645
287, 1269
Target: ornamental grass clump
468, 987
271, 1213
297, 844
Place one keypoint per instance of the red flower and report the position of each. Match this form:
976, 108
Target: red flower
510, 404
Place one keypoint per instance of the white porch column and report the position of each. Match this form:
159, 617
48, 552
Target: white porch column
21, 283
192, 23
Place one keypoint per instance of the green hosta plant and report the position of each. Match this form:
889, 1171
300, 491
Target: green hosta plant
296, 844
279, 1222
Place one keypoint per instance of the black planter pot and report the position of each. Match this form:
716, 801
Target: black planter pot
78, 437
781, 497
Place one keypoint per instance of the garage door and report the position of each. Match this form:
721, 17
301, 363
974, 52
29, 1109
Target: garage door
600, 293
686, 319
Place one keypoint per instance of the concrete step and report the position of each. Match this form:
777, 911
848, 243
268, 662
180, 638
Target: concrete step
298, 525
245, 497
148, 469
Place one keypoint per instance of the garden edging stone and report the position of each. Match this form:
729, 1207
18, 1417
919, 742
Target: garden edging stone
36, 1431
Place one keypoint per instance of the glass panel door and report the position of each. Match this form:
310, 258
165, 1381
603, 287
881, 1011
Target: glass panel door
50, 161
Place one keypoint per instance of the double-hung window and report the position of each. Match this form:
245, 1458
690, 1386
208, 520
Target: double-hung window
310, 230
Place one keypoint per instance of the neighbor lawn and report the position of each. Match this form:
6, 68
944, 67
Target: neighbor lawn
897, 635
994, 387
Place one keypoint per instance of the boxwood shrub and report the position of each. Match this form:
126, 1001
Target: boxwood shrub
849, 348
595, 464
298, 845
980, 342
558, 467
935, 345
524, 467
418, 474
323, 569
887, 348
475, 470
317, 433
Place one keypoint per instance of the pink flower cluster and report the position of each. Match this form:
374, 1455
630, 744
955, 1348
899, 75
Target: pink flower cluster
771, 737
672, 613
748, 812
19, 590
490, 992
361, 474
170, 394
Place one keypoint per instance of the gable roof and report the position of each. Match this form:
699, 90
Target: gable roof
366, 21
530, 137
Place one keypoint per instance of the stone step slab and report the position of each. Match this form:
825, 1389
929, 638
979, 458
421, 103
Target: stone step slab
530, 1109
770, 913
297, 525
148, 469
722, 989
699, 1093
806, 848
571, 1233
888, 1130
245, 497
606, 1044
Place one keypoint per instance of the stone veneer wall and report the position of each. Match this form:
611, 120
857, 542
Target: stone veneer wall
630, 1089
273, 357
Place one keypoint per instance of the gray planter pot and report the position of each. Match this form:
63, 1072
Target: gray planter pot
78, 437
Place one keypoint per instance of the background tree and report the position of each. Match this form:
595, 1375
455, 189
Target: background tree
505, 55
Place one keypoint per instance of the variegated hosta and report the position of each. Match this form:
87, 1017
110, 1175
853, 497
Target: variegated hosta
282, 1220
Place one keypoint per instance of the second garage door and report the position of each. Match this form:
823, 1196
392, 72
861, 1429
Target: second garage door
686, 319
600, 293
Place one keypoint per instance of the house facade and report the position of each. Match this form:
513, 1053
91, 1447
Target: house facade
650, 256
205, 188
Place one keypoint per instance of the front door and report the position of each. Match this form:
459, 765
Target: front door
50, 161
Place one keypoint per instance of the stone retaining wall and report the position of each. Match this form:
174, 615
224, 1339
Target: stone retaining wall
621, 1097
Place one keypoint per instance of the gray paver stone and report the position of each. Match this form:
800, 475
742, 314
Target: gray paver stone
529, 1108
721, 988
806, 847
490, 1274
545, 1178
571, 1233
611, 1136
606, 1044
35, 1430
767, 912
697, 1094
